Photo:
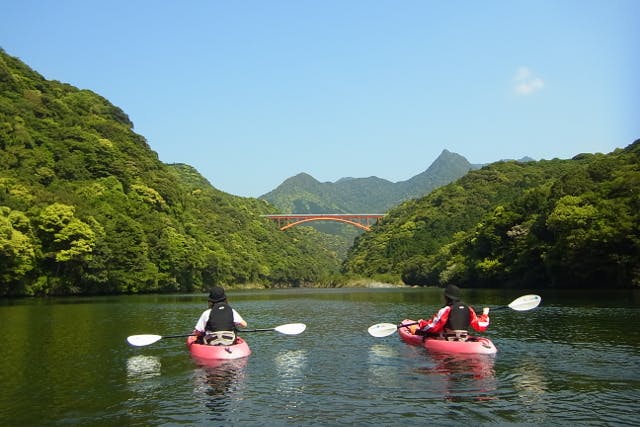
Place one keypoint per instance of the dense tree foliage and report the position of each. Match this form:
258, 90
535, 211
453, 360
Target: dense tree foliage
87, 207
563, 223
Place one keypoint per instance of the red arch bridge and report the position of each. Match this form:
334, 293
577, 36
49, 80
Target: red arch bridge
363, 221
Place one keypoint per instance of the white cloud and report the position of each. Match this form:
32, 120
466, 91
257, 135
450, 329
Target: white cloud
526, 82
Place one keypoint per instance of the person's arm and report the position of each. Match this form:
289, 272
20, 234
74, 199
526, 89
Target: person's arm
479, 323
202, 323
436, 323
238, 320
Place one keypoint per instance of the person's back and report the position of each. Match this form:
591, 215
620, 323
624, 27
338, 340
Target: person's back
459, 316
217, 325
455, 318
220, 328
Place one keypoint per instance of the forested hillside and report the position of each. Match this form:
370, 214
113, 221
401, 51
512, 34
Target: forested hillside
86, 207
563, 223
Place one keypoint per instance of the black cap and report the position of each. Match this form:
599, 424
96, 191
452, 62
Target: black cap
452, 292
216, 294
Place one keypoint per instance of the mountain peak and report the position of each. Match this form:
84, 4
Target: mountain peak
302, 192
302, 176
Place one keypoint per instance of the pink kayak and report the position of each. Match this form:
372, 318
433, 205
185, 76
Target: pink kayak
473, 344
218, 352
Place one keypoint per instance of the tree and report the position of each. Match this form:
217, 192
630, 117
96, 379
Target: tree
17, 250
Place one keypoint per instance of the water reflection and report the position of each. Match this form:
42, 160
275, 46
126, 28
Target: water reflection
383, 366
462, 376
224, 364
382, 351
290, 366
143, 374
143, 367
529, 381
476, 366
219, 383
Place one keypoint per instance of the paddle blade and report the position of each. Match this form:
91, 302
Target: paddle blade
145, 339
380, 330
291, 328
525, 302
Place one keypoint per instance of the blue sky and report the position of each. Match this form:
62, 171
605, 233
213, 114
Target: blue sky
253, 92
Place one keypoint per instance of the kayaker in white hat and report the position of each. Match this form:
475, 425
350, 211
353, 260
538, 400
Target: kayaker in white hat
217, 325
454, 319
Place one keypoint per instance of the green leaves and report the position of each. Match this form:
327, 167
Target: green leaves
17, 247
571, 223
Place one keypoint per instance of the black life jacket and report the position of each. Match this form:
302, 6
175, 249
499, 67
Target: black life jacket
220, 318
459, 316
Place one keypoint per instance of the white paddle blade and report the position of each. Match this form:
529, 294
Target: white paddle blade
525, 302
145, 339
291, 328
380, 330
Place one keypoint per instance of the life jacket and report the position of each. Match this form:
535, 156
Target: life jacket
220, 318
459, 317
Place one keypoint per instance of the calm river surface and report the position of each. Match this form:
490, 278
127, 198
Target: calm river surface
575, 360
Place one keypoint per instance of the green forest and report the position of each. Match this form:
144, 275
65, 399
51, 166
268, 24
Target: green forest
86, 207
558, 223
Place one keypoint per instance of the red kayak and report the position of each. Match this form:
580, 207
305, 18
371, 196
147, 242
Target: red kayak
472, 345
218, 352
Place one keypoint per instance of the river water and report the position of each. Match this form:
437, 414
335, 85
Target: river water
573, 360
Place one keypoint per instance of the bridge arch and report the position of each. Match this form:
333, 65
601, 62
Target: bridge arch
346, 221
362, 221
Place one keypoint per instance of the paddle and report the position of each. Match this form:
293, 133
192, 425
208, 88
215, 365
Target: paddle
288, 329
146, 339
523, 303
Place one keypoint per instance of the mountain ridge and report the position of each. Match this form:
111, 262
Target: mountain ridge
302, 193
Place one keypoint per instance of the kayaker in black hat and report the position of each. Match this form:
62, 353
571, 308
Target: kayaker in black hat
217, 325
454, 319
